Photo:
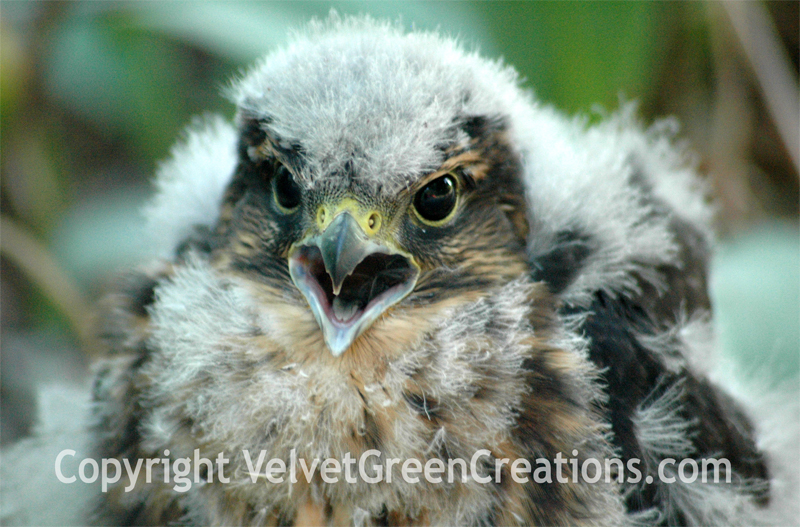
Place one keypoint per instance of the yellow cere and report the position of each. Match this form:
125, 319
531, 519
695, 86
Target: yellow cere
369, 220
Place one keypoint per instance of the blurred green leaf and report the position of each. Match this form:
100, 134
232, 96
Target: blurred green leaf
577, 54
14, 70
84, 72
37, 189
128, 81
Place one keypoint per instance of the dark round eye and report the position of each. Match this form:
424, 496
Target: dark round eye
287, 192
436, 200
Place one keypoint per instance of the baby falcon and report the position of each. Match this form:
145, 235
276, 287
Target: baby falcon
396, 252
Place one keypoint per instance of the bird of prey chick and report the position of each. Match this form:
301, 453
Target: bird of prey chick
396, 252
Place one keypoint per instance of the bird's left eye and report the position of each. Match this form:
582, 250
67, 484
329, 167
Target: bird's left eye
435, 201
285, 189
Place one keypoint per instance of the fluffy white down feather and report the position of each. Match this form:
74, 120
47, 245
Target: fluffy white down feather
30, 492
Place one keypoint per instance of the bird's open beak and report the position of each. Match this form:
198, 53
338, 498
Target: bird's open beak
349, 278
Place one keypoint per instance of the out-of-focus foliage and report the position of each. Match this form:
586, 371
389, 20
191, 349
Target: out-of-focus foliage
92, 95
580, 54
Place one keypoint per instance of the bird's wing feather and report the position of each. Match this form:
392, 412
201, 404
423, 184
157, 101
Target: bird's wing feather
636, 280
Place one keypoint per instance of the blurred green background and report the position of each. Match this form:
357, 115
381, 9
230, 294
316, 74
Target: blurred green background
92, 95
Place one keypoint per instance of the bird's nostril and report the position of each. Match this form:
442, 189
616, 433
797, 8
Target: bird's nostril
374, 222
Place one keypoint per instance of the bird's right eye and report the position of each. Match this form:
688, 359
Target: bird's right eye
285, 189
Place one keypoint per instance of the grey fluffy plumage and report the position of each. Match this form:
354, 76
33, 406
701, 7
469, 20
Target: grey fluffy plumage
590, 335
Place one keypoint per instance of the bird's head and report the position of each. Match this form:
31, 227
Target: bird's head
372, 178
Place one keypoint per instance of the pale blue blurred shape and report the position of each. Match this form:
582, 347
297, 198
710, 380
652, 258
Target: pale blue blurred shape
102, 236
245, 31
241, 32
756, 293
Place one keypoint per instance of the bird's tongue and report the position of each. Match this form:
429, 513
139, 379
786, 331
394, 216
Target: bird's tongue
343, 309
375, 275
